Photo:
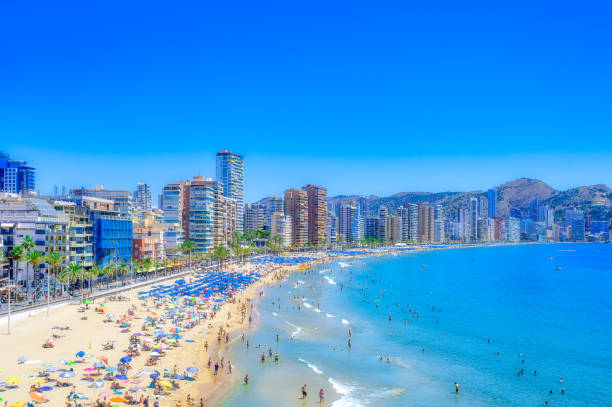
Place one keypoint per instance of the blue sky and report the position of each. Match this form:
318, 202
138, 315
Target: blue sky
362, 97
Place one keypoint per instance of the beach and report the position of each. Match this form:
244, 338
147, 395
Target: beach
78, 342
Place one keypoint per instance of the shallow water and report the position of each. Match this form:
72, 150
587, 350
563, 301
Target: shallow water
536, 317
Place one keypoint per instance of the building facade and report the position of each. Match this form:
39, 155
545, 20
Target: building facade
317, 214
230, 173
296, 206
16, 176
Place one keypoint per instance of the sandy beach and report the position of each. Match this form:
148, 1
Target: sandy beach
88, 334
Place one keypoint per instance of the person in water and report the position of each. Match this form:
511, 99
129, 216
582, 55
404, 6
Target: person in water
246, 379
321, 396
456, 388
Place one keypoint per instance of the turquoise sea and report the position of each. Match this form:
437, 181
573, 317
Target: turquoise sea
475, 316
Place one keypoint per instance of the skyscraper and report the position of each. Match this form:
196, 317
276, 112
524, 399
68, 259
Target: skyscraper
230, 173
16, 176
142, 197
272, 205
492, 202
254, 216
404, 221
317, 213
204, 213
413, 214
426, 223
534, 209
474, 219
296, 206
349, 222
382, 231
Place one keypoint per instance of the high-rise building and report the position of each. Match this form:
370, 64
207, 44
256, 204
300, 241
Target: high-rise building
534, 209
332, 228
81, 233
546, 216
296, 206
16, 176
382, 231
317, 214
142, 197
281, 227
426, 223
122, 200
394, 229
349, 222
254, 216
574, 218
230, 173
474, 219
371, 227
439, 222
404, 216
272, 204
204, 213
492, 202
413, 230
513, 230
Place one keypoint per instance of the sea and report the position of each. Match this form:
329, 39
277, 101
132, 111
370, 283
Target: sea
511, 325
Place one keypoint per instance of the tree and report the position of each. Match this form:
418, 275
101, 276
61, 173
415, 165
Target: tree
147, 264
123, 269
93, 273
16, 255
108, 272
4, 260
34, 258
187, 247
72, 273
221, 253
54, 259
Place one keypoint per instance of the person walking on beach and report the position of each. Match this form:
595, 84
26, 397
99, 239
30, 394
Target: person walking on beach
304, 392
246, 379
321, 396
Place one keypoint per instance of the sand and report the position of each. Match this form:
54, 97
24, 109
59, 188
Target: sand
90, 334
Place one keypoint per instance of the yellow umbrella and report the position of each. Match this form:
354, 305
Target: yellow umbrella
165, 383
171, 340
39, 381
12, 380
19, 404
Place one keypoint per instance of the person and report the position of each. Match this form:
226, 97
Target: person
263, 357
246, 379
456, 388
349, 343
304, 392
276, 357
321, 396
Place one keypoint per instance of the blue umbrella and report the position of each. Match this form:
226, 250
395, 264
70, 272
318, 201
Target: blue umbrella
111, 369
121, 376
99, 365
67, 374
53, 369
125, 359
46, 388
192, 369
80, 354
154, 375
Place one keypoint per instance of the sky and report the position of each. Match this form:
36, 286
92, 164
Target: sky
360, 97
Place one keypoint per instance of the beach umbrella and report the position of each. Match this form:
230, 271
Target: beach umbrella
39, 381
125, 359
19, 404
165, 383
67, 374
46, 388
90, 369
80, 354
12, 379
118, 400
21, 359
99, 365
38, 397
137, 334
192, 369
111, 369
96, 384
121, 377
154, 375
53, 369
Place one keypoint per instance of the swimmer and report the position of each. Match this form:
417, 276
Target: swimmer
456, 388
246, 379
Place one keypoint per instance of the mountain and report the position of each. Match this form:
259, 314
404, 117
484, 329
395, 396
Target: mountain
518, 194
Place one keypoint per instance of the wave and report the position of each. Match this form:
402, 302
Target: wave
323, 271
344, 390
301, 282
298, 329
275, 314
316, 310
345, 322
343, 265
329, 280
330, 315
307, 305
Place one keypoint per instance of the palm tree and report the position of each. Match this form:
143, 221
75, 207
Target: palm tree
16, 255
221, 253
108, 271
147, 264
72, 273
93, 273
187, 247
54, 259
27, 243
123, 269
165, 262
34, 257
3, 260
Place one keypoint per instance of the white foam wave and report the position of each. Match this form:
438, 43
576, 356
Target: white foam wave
330, 315
307, 305
323, 271
317, 310
345, 322
343, 265
298, 329
329, 280
275, 314
301, 282
342, 389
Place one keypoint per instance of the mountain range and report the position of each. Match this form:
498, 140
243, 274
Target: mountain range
595, 200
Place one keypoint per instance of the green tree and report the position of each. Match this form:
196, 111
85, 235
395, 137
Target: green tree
34, 258
16, 255
72, 274
221, 253
108, 272
188, 247
92, 274
122, 270
54, 259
